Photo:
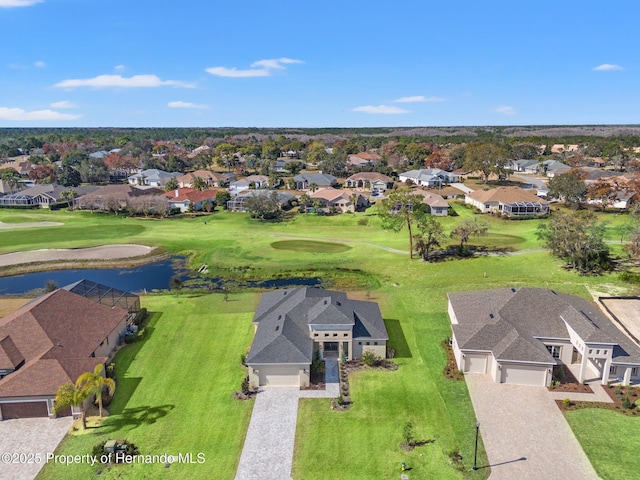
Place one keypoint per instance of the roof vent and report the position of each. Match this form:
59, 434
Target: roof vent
338, 303
491, 315
325, 301
513, 290
277, 327
279, 317
285, 292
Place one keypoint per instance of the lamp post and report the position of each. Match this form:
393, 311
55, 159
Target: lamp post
475, 454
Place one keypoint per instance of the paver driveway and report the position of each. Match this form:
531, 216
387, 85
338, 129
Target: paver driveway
525, 434
267, 453
30, 436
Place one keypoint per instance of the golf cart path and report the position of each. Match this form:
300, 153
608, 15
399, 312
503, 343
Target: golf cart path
102, 252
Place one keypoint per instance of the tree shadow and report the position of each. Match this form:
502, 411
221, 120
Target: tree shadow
397, 340
126, 386
131, 418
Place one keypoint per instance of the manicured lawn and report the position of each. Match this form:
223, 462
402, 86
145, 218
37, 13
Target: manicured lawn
174, 391
610, 440
309, 246
175, 388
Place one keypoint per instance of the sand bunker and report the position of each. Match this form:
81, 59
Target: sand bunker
104, 252
11, 226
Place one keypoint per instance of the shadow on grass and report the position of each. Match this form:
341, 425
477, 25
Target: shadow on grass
135, 417
126, 386
397, 340
521, 459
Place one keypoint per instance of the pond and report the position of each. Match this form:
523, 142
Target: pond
152, 276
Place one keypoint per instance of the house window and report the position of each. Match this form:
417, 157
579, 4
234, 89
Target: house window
335, 334
605, 352
634, 371
368, 343
315, 334
590, 351
359, 343
554, 350
345, 334
326, 334
613, 369
375, 343
597, 352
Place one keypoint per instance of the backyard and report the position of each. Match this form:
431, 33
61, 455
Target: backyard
175, 388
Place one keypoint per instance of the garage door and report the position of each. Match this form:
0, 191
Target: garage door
279, 376
476, 362
524, 375
24, 410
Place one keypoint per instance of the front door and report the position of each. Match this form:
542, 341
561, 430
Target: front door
331, 347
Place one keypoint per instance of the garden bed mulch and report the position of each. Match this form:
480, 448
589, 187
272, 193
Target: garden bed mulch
617, 393
451, 370
565, 381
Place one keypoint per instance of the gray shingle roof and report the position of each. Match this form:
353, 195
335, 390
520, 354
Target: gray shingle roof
284, 318
509, 323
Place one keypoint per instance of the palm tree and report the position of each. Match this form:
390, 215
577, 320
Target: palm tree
199, 183
94, 382
313, 187
69, 395
69, 195
353, 198
11, 177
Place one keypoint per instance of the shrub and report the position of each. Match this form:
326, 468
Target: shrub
243, 359
363, 221
567, 402
455, 459
97, 450
245, 386
370, 359
626, 403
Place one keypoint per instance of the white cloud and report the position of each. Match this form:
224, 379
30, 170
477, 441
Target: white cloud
506, 110
275, 63
382, 109
18, 3
419, 98
180, 104
40, 64
235, 73
137, 81
607, 67
119, 68
20, 114
261, 68
63, 104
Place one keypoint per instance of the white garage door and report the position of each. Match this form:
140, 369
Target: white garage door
524, 375
279, 376
476, 362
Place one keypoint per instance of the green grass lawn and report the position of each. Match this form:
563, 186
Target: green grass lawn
175, 388
174, 391
610, 440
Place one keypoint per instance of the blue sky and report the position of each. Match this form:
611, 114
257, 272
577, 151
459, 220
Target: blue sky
138, 63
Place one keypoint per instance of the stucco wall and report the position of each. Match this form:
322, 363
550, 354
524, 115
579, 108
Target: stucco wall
112, 340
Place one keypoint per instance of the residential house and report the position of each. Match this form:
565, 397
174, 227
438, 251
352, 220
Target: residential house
518, 335
152, 177
237, 203
294, 326
524, 166
553, 167
185, 199
44, 195
562, 148
252, 181
429, 177
438, 206
369, 181
363, 159
304, 180
118, 193
334, 199
23, 167
212, 179
50, 342
508, 201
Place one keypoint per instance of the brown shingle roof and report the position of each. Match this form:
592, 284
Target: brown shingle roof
506, 195
56, 334
10, 356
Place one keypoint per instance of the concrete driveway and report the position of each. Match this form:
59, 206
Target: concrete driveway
32, 437
525, 434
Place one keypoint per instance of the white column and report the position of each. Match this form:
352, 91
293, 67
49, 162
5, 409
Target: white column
627, 376
605, 370
583, 366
